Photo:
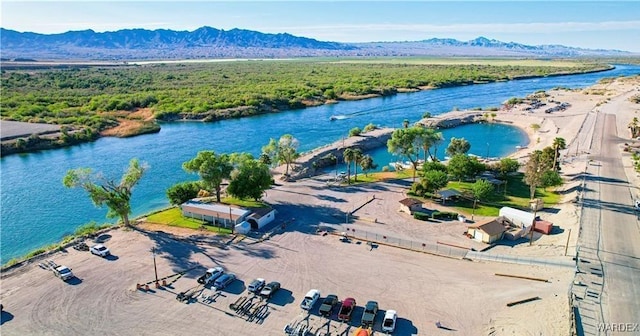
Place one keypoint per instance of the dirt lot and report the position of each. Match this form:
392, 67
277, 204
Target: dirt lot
14, 129
462, 295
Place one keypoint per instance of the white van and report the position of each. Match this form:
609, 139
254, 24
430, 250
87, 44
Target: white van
310, 299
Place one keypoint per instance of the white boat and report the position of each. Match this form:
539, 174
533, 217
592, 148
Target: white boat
399, 165
521, 147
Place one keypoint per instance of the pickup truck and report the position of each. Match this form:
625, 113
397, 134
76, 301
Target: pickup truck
346, 309
211, 275
370, 311
327, 305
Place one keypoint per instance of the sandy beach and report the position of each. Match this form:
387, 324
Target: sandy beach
462, 295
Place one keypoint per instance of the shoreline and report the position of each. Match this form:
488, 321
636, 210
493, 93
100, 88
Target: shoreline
8, 148
570, 121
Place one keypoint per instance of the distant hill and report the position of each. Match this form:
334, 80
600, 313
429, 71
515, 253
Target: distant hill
483, 46
207, 42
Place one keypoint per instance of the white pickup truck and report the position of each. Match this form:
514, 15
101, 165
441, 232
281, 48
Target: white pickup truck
211, 275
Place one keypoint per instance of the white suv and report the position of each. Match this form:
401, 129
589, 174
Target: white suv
389, 322
310, 299
100, 250
256, 285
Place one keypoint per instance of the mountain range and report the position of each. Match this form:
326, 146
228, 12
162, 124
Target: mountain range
208, 42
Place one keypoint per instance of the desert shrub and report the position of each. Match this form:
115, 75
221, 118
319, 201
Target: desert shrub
355, 131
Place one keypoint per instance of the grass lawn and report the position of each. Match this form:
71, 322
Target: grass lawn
173, 217
381, 176
243, 203
517, 196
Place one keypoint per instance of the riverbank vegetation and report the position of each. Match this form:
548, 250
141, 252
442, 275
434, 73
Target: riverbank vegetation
91, 97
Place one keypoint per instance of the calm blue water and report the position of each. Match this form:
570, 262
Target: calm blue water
37, 210
487, 140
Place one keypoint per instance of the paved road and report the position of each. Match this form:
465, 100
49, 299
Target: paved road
610, 238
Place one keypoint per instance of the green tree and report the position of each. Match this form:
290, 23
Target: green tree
481, 189
269, 153
115, 195
182, 192
462, 166
356, 131
357, 156
458, 146
551, 178
405, 123
405, 142
265, 159
366, 163
434, 165
426, 115
507, 165
535, 169
558, 144
287, 150
250, 180
428, 137
434, 180
211, 168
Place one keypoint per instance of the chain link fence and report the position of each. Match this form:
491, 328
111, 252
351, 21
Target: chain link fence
437, 249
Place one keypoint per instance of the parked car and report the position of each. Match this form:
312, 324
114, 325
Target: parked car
389, 322
310, 299
211, 275
369, 315
256, 285
270, 289
63, 272
326, 308
224, 281
100, 250
346, 309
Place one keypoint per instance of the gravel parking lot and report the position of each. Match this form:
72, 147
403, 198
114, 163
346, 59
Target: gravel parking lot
14, 129
424, 289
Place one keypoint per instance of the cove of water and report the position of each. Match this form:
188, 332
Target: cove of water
37, 210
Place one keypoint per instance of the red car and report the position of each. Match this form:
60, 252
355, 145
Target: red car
346, 309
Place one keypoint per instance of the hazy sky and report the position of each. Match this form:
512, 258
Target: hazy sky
604, 24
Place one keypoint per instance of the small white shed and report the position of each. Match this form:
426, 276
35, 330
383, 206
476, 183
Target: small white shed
260, 217
519, 218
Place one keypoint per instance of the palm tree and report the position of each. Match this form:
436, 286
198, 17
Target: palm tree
558, 144
405, 123
348, 156
357, 156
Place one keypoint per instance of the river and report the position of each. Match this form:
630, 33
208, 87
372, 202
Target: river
37, 210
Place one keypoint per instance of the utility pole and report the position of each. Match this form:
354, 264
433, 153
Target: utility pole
566, 246
155, 268
533, 225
